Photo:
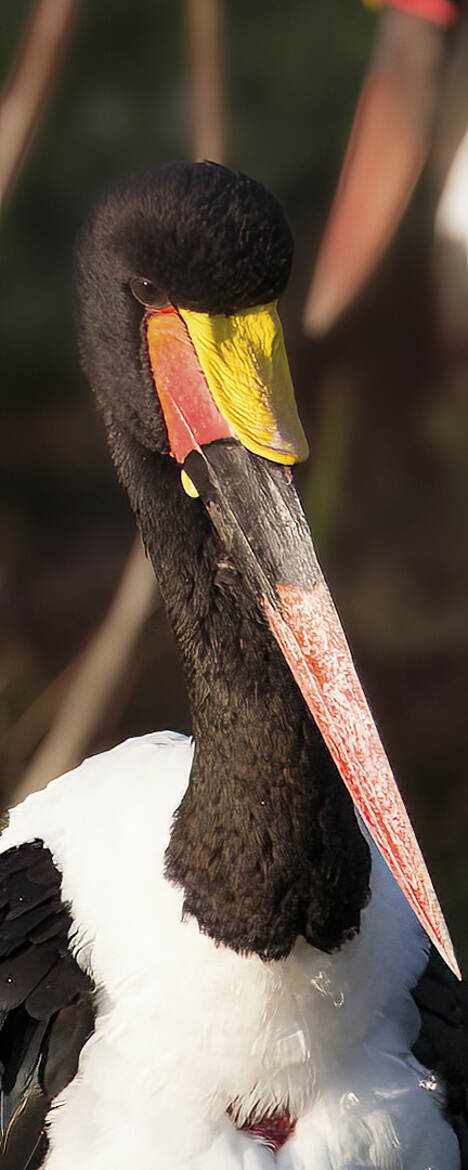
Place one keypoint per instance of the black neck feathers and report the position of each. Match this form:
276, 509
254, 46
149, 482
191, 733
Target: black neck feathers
265, 843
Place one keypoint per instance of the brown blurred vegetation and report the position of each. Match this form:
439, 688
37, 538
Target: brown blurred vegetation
386, 487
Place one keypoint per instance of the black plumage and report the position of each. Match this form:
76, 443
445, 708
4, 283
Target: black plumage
209, 238
442, 1044
46, 1010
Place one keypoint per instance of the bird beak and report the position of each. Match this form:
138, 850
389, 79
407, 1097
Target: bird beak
387, 148
250, 497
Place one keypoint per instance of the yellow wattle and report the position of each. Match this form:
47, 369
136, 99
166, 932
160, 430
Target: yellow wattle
243, 358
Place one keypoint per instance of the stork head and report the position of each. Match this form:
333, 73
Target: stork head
196, 237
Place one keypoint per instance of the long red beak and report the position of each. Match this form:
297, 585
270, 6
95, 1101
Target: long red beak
257, 514
253, 505
387, 149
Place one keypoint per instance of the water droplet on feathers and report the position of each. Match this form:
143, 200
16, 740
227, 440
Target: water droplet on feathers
349, 1101
323, 984
431, 1084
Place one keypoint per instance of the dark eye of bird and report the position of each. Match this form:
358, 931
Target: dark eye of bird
147, 293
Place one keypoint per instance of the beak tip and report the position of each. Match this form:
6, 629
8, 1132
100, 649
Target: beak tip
305, 624
447, 951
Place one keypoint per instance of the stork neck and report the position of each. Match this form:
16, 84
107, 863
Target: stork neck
265, 842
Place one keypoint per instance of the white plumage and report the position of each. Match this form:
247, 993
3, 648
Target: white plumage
187, 1029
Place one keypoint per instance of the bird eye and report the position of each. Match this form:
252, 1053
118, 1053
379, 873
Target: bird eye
147, 293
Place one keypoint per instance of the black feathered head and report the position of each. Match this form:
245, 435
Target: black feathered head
196, 235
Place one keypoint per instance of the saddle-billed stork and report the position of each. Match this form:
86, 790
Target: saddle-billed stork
206, 962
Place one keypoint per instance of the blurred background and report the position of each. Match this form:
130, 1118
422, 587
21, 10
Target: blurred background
386, 488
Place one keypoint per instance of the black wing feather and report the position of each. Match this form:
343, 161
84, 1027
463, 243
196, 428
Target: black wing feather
25, 1131
70, 1029
442, 1044
46, 1002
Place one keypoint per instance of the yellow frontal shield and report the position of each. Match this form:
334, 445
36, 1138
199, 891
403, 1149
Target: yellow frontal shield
244, 361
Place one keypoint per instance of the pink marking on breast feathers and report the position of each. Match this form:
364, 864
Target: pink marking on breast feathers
273, 1132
